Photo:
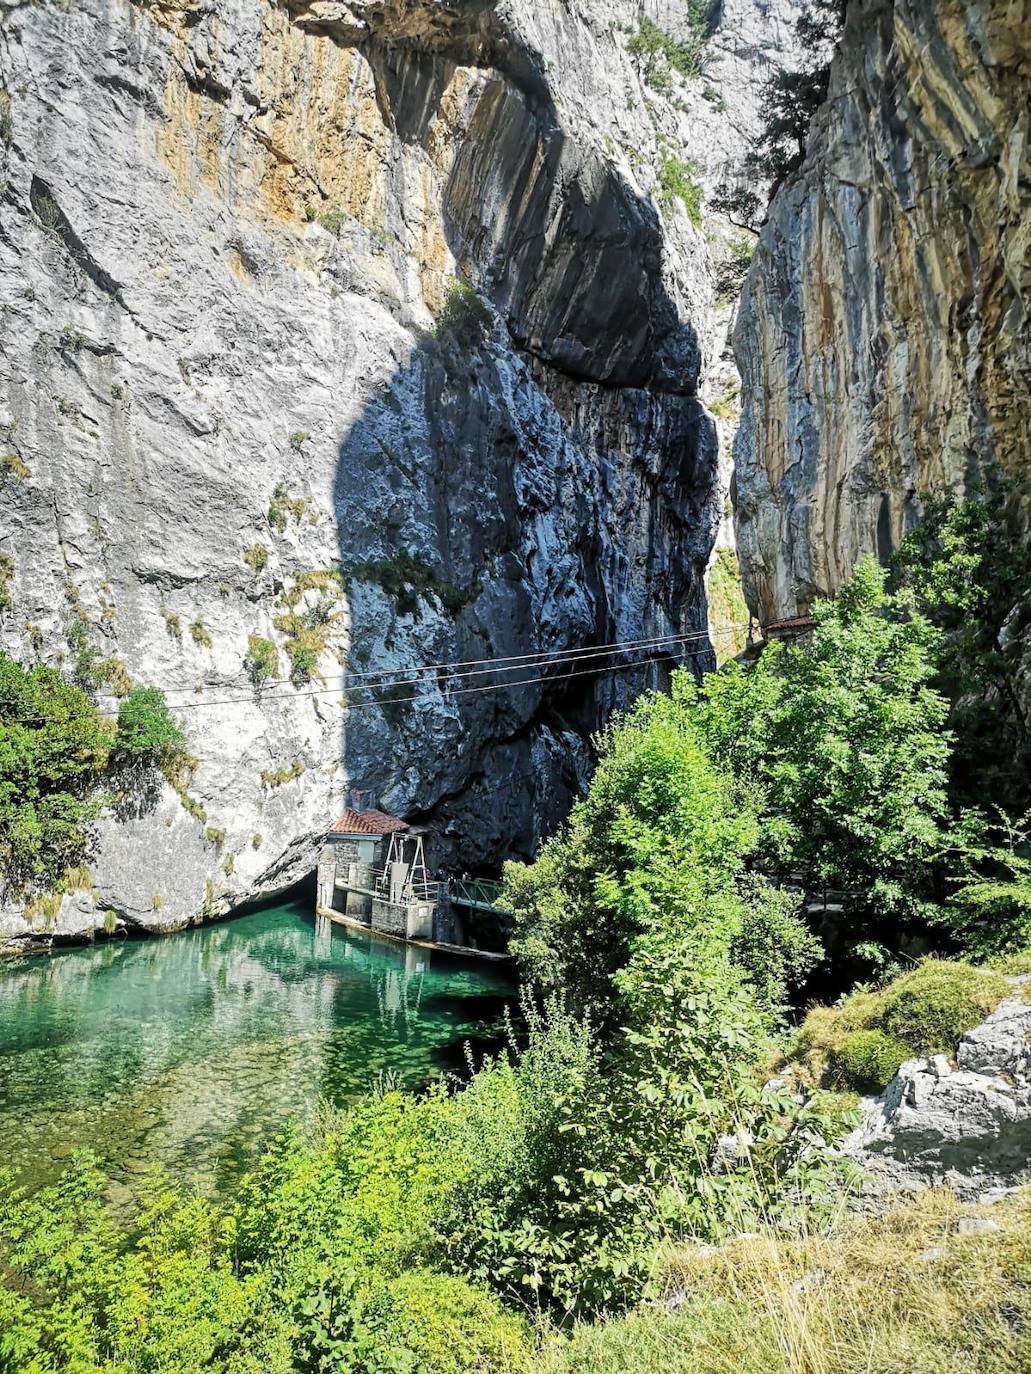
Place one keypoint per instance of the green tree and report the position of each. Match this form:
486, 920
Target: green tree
968, 565
789, 101
146, 735
54, 748
844, 738
655, 852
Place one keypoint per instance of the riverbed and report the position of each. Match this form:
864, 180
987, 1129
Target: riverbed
190, 1051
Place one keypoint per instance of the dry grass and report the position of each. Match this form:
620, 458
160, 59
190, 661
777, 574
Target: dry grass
903, 1294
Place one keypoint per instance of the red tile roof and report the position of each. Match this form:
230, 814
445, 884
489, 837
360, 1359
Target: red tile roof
367, 823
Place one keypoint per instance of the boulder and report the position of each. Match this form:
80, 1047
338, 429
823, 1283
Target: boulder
965, 1123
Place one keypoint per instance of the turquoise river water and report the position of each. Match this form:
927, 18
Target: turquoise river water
189, 1051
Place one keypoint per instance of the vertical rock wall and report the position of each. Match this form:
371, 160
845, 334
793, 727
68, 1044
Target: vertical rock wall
883, 336
371, 317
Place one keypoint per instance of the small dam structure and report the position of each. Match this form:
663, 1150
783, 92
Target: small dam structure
372, 874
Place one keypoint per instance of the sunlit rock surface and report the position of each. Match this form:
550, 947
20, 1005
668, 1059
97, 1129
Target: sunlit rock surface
883, 334
227, 236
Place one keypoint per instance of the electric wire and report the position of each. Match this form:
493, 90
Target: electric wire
446, 692
544, 658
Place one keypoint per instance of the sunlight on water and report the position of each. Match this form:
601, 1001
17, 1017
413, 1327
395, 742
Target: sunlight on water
189, 1051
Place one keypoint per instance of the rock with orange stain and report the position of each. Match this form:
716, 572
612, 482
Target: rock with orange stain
356, 330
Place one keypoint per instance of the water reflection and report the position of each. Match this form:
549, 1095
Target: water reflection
190, 1051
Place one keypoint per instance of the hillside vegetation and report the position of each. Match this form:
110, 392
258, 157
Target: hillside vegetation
533, 1216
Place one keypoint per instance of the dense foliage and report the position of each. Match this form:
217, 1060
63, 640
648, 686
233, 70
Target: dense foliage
662, 936
57, 753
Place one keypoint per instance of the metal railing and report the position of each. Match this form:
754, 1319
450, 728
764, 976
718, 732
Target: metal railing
475, 892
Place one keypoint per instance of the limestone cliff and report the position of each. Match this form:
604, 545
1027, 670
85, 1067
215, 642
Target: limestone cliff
883, 335
369, 330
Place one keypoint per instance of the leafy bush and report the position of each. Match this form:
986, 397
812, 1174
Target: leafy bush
261, 659
678, 179
54, 748
930, 1008
968, 564
146, 734
866, 1061
990, 910
464, 316
660, 50
843, 740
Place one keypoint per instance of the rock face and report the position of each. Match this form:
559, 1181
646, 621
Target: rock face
883, 335
364, 329
966, 1124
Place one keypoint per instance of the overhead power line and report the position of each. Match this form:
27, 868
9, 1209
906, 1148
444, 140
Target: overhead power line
476, 667
571, 660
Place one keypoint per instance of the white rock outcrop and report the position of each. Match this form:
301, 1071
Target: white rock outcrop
965, 1123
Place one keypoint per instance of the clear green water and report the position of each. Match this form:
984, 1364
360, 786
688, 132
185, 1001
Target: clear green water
190, 1051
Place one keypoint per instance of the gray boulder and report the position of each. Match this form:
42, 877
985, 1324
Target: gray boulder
965, 1123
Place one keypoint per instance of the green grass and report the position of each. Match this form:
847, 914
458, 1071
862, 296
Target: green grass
923, 1012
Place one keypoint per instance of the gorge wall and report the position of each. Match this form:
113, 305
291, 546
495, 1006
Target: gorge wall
372, 330
883, 335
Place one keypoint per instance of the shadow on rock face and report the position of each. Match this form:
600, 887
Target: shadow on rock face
537, 475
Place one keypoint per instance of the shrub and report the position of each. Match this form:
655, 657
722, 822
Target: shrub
279, 777
677, 179
283, 504
333, 220
114, 672
173, 624
6, 574
652, 43
866, 1061
408, 578
11, 465
257, 841
54, 749
6, 122
146, 734
464, 315
229, 865
201, 635
261, 659
256, 557
931, 1007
